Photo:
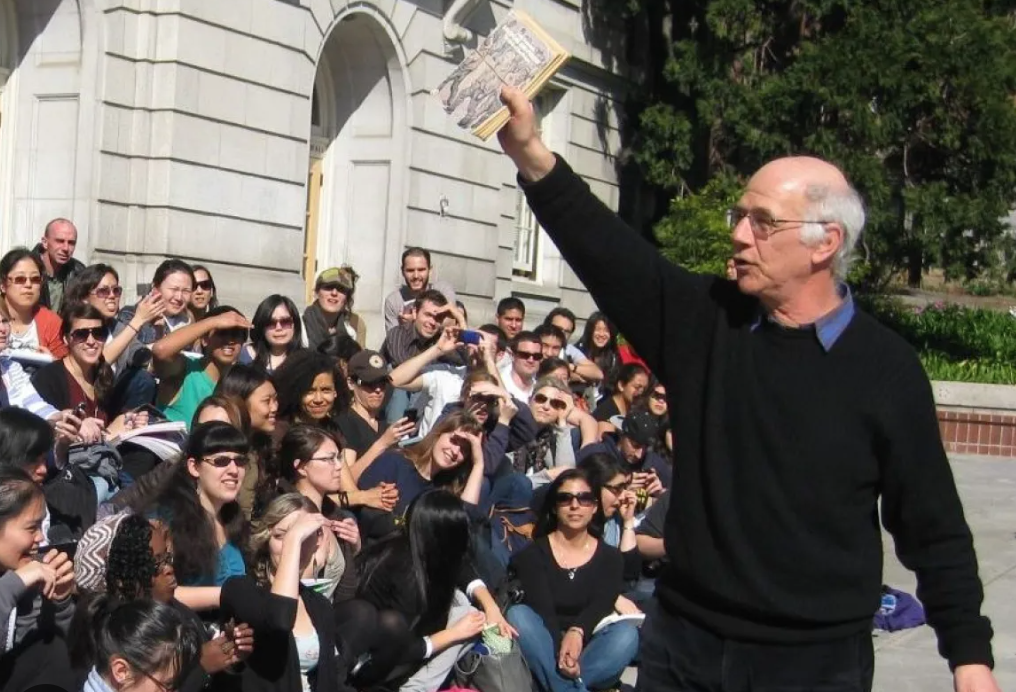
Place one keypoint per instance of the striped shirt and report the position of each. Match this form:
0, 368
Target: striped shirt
20, 390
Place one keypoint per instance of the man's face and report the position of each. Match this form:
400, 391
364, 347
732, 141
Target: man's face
511, 322
565, 325
416, 272
59, 243
527, 359
429, 319
631, 451
551, 346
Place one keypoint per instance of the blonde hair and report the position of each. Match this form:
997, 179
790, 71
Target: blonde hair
261, 532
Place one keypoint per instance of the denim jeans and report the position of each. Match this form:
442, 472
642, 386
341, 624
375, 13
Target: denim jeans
602, 661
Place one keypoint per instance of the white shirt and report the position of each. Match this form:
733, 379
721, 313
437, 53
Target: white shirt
516, 391
442, 385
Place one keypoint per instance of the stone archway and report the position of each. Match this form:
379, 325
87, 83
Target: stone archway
358, 162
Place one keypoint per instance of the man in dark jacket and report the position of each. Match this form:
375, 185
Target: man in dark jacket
799, 421
632, 447
56, 251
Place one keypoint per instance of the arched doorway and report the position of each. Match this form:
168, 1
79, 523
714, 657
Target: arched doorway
357, 170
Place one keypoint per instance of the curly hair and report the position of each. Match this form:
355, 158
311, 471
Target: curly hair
260, 557
296, 376
130, 564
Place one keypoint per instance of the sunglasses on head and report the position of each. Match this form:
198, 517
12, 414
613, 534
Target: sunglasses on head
529, 355
282, 323
585, 499
107, 291
205, 285
222, 461
22, 280
556, 404
81, 335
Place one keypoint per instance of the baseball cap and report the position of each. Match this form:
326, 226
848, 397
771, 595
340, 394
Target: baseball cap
368, 366
641, 427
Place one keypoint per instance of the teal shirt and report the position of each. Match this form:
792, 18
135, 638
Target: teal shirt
230, 565
195, 388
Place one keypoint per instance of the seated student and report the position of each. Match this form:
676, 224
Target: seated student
650, 471
199, 504
332, 310
654, 400
126, 557
308, 394
276, 332
184, 382
295, 642
141, 646
551, 451
450, 456
519, 375
632, 380
35, 591
400, 305
420, 581
554, 343
34, 328
205, 294
570, 581
598, 343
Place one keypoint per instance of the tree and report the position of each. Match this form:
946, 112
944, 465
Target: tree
912, 98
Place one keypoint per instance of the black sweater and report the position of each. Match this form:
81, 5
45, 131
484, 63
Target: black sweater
564, 601
781, 449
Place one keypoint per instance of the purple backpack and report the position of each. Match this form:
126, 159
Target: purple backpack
898, 611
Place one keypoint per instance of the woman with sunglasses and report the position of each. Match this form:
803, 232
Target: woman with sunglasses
654, 400
632, 380
204, 297
552, 450
571, 580
199, 504
126, 557
332, 310
184, 382
34, 328
276, 332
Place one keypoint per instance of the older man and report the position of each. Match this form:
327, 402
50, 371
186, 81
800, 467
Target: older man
793, 414
56, 250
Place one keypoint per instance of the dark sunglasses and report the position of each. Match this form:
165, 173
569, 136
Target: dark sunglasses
373, 386
164, 560
327, 288
22, 280
222, 461
80, 336
284, 323
205, 285
232, 336
107, 291
619, 488
585, 499
555, 404
529, 355
659, 396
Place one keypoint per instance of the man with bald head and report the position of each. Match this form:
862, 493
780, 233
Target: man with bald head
794, 414
56, 250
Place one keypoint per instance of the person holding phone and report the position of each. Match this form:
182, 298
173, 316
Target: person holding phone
35, 591
633, 446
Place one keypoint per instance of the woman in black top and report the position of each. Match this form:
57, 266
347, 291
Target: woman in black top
571, 580
632, 380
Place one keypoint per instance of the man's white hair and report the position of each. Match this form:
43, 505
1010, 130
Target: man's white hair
842, 206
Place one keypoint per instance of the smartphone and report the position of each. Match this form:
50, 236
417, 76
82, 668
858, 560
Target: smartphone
468, 336
412, 415
154, 414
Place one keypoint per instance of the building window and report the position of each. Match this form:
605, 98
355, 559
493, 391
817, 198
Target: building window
528, 234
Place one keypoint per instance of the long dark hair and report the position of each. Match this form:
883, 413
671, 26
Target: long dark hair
239, 383
262, 317
546, 522
103, 372
84, 282
214, 302
436, 535
24, 437
195, 550
608, 359
151, 637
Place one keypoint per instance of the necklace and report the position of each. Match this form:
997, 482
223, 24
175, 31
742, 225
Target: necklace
570, 571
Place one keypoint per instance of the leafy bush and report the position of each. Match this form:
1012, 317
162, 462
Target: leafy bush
954, 342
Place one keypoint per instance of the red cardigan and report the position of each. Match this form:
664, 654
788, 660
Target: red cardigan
49, 324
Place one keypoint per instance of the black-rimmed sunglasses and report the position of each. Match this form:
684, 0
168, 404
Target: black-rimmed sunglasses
585, 499
81, 335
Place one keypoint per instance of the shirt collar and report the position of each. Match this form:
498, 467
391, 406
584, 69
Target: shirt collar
830, 327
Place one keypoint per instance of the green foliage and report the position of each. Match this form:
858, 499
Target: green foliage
913, 99
695, 233
954, 342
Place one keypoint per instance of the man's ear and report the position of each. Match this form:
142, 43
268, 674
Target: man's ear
826, 248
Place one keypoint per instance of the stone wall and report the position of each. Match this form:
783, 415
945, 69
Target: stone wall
977, 418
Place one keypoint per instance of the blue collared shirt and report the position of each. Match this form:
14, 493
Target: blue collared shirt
831, 326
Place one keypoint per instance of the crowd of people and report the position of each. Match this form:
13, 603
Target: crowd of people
317, 515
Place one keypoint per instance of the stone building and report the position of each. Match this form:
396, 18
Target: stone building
270, 138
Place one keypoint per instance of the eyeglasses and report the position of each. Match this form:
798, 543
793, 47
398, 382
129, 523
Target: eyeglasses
556, 404
205, 285
585, 499
762, 223
21, 280
529, 355
659, 396
223, 461
107, 291
329, 459
283, 323
619, 488
164, 560
163, 686
80, 336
